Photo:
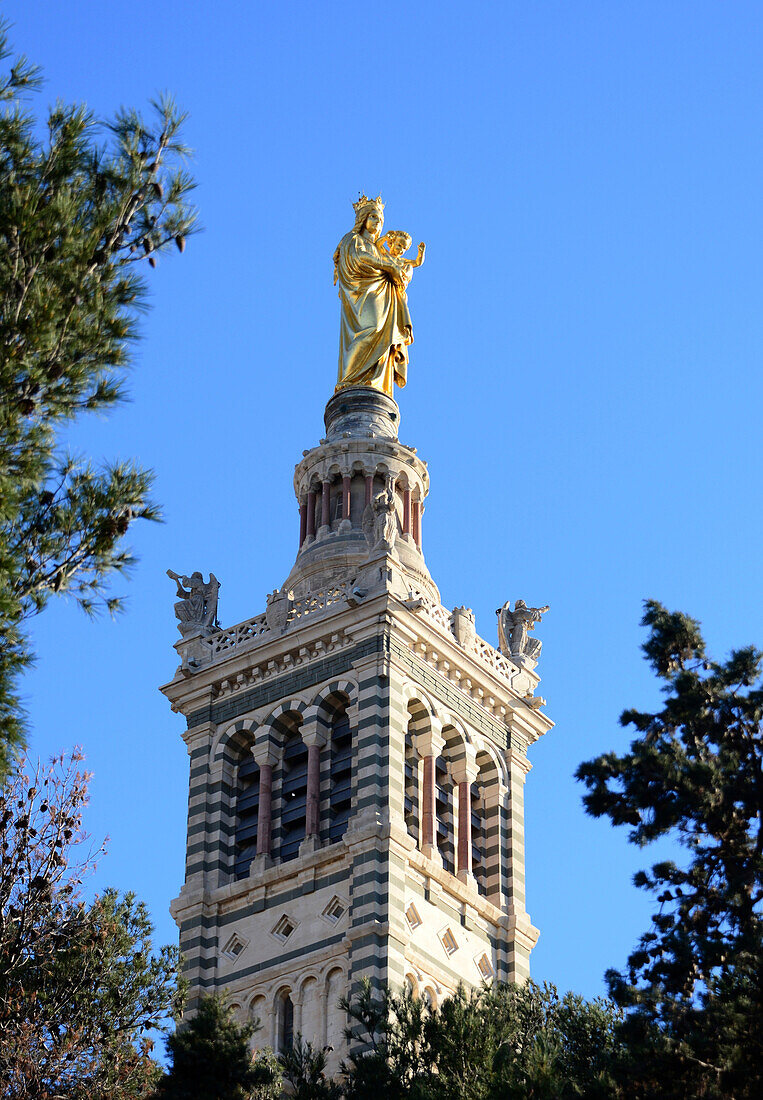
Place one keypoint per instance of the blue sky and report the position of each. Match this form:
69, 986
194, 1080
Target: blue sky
585, 382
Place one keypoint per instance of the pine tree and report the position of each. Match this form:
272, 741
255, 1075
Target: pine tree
304, 1068
694, 773
493, 1043
84, 206
210, 1059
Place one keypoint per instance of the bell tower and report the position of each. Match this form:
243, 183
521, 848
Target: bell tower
358, 753
358, 757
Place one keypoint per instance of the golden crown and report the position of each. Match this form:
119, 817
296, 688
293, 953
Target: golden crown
363, 200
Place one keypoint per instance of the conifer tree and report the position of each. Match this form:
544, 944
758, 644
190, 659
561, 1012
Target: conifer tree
85, 208
304, 1068
493, 1043
694, 773
210, 1059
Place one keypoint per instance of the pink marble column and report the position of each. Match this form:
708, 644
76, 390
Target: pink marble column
302, 522
369, 488
313, 803
406, 511
464, 857
416, 522
346, 500
311, 514
265, 810
326, 505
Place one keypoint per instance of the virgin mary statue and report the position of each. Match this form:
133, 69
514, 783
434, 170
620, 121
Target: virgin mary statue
375, 327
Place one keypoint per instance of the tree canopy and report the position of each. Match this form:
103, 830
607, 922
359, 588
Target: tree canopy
492, 1043
81, 987
694, 773
210, 1059
85, 208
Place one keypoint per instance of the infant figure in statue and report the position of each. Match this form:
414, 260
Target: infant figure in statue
395, 243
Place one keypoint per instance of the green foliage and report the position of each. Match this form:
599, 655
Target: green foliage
210, 1059
488, 1044
80, 986
694, 773
304, 1068
82, 208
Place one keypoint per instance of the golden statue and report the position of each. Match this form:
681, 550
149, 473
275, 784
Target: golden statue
375, 328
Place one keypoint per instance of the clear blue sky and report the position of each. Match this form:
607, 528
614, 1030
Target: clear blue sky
585, 382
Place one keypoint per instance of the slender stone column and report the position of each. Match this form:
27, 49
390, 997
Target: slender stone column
315, 735
326, 504
464, 773
369, 488
311, 514
266, 757
296, 1000
346, 499
302, 522
416, 522
406, 511
429, 744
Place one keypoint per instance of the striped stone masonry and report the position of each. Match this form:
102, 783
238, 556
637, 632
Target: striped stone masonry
429, 903
358, 757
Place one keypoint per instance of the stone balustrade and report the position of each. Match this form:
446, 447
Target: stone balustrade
256, 630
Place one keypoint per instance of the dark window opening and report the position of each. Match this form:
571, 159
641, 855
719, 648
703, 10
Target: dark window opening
479, 868
444, 815
293, 797
411, 794
287, 1024
340, 798
247, 809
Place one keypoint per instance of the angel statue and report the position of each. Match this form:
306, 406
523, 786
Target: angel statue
380, 520
375, 328
196, 609
513, 628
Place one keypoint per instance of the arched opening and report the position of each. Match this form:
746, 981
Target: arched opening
340, 794
293, 791
257, 1010
284, 1022
247, 809
411, 810
311, 1025
486, 817
335, 1017
418, 773
444, 830
479, 864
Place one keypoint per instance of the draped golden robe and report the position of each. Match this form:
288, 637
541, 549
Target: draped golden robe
375, 328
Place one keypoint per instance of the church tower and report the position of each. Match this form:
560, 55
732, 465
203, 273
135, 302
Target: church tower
358, 753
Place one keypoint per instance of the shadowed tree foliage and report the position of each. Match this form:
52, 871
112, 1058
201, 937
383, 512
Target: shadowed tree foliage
84, 208
210, 1059
694, 773
488, 1044
80, 986
304, 1069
